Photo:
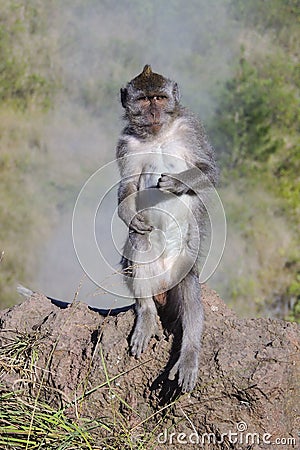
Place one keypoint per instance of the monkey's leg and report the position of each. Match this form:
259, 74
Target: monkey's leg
188, 294
145, 326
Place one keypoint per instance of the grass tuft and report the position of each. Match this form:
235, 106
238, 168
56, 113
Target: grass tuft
27, 425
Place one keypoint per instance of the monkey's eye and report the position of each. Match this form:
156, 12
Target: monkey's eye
143, 99
161, 98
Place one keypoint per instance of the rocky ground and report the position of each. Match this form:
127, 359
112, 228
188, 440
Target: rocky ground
247, 396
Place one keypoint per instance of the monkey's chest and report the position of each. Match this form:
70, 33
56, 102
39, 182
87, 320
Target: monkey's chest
165, 211
162, 158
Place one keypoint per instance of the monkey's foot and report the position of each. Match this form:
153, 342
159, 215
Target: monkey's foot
187, 369
141, 336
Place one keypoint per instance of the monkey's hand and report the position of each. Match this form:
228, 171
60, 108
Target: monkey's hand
134, 221
139, 225
172, 183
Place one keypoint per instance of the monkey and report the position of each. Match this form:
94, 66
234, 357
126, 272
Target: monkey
165, 161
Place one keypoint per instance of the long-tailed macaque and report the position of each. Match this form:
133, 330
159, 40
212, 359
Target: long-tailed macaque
166, 162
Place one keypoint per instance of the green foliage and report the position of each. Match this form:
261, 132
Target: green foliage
244, 117
27, 87
257, 107
255, 129
294, 294
278, 16
19, 201
294, 315
256, 133
22, 77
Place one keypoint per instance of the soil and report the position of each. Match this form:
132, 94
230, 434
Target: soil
247, 395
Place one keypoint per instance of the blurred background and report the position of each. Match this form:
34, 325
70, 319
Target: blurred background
62, 64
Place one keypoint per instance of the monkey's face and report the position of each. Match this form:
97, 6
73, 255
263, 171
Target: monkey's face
150, 101
150, 110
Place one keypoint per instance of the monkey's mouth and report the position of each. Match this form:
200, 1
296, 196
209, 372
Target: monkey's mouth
155, 124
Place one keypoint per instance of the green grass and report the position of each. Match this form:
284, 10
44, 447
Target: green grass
25, 424
25, 421
30, 421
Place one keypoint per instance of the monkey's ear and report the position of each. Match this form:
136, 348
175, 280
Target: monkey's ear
123, 97
176, 92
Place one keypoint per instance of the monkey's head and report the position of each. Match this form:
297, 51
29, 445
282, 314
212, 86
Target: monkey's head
150, 101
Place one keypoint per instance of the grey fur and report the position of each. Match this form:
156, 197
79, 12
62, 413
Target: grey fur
167, 167
22, 290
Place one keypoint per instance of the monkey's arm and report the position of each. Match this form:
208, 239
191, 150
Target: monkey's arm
127, 206
127, 192
189, 181
202, 172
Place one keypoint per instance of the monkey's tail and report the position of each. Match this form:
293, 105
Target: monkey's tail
22, 290
27, 293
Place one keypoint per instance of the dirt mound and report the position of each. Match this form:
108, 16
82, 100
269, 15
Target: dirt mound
247, 394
